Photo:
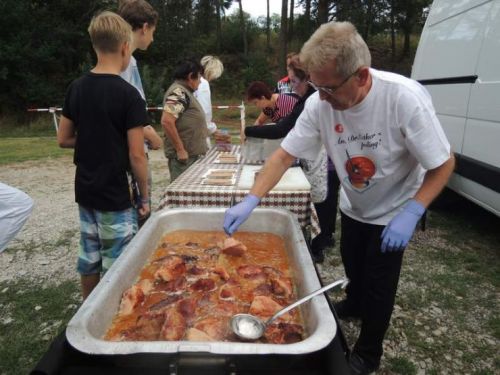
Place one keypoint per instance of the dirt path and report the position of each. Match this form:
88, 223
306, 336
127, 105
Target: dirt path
47, 246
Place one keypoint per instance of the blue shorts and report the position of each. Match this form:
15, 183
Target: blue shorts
103, 236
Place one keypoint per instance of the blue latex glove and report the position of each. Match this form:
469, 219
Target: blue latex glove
398, 232
236, 215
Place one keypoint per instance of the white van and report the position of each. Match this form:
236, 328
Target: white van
458, 61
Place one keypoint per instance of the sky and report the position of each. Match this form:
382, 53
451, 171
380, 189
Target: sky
258, 8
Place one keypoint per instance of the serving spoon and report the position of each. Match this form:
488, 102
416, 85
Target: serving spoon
250, 327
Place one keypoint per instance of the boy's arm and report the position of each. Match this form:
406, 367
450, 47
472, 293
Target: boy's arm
168, 123
139, 165
66, 134
152, 137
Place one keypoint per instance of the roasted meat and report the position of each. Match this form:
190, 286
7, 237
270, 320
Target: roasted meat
191, 288
233, 247
171, 268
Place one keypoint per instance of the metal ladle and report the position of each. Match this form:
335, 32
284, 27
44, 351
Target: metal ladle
249, 327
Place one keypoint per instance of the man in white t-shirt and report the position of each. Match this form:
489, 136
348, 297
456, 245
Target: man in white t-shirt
392, 159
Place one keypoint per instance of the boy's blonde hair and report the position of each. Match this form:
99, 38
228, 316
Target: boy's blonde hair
212, 67
339, 42
108, 31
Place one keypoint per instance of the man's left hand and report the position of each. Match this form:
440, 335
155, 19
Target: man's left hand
398, 232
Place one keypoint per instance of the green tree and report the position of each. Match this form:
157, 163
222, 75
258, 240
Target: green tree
283, 37
45, 44
243, 25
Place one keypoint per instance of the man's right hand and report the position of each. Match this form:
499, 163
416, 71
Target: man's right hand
182, 156
236, 215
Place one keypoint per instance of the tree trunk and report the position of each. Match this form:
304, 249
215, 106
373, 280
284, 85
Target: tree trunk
322, 11
406, 45
244, 28
407, 27
368, 20
189, 12
283, 36
290, 21
307, 15
219, 33
393, 31
268, 28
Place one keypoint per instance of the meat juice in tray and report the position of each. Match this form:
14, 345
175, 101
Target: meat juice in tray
195, 281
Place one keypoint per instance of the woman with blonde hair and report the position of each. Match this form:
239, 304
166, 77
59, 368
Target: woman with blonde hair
212, 69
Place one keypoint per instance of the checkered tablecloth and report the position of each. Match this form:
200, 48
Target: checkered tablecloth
187, 191
213, 153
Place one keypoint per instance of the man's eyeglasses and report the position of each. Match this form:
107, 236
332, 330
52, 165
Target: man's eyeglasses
331, 90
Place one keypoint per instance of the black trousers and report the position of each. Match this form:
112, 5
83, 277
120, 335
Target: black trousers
373, 283
327, 210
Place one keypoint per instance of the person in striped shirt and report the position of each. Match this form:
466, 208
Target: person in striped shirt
274, 106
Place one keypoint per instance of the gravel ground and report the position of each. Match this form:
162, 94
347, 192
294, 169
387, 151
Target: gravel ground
45, 251
54, 221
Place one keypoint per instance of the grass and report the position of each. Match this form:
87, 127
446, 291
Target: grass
33, 125
37, 139
66, 237
37, 315
13, 150
459, 275
447, 317
402, 366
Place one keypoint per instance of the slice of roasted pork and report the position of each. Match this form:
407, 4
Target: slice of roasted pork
264, 307
174, 327
233, 247
282, 286
215, 327
171, 268
249, 271
147, 328
187, 307
134, 296
284, 333
221, 272
203, 285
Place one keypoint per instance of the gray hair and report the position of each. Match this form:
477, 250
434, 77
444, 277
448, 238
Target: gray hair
212, 67
339, 42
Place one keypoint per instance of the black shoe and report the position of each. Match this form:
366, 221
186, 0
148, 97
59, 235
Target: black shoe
321, 242
358, 365
318, 256
345, 311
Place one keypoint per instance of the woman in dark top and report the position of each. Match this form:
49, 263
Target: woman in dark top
326, 208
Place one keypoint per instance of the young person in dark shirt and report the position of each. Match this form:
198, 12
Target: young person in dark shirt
103, 119
143, 18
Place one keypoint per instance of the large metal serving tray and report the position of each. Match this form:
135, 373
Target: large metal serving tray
89, 324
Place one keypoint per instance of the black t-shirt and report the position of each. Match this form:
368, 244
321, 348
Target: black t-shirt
103, 107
